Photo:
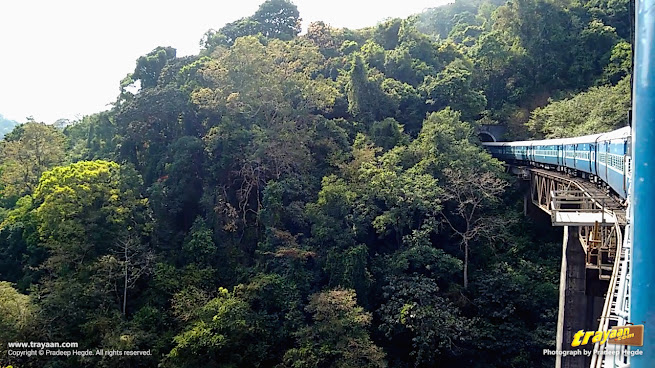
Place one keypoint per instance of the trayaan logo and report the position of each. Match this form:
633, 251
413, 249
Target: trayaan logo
632, 335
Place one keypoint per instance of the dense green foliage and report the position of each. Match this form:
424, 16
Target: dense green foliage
600, 109
315, 200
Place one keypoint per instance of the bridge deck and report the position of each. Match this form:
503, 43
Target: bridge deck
577, 218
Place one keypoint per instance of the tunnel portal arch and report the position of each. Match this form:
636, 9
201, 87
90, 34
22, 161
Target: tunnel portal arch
486, 137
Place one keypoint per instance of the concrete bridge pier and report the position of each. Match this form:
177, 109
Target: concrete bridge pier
572, 299
581, 296
591, 220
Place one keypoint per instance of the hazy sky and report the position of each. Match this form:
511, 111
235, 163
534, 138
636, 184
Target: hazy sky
65, 58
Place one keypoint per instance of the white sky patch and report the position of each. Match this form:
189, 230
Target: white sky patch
65, 58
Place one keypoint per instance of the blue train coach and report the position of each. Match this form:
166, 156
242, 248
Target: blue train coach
602, 158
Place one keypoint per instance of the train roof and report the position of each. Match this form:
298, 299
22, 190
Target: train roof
624, 132
616, 134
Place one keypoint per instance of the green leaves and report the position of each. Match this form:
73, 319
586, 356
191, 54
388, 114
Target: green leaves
247, 327
620, 64
26, 153
17, 313
265, 81
322, 177
218, 339
366, 101
419, 257
338, 336
81, 207
598, 110
199, 244
413, 313
276, 19
149, 67
452, 88
447, 142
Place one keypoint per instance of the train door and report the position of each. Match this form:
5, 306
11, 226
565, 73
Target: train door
588, 155
626, 163
593, 167
569, 155
606, 150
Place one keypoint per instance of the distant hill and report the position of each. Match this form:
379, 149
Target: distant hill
6, 125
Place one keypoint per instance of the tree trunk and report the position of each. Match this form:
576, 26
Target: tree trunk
125, 284
466, 264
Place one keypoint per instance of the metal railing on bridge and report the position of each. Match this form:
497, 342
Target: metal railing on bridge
604, 226
616, 310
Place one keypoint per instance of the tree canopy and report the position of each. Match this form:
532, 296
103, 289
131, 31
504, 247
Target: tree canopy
317, 199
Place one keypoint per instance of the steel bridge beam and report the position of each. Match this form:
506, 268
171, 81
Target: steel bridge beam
595, 216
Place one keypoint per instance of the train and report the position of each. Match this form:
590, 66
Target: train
601, 158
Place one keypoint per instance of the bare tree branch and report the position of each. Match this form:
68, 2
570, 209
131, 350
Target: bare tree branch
471, 193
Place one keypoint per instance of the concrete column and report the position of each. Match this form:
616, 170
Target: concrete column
572, 299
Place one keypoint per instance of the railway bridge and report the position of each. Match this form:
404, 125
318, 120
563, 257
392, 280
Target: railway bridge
607, 273
596, 252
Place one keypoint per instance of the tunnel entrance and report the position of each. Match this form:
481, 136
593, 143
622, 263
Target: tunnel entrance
486, 137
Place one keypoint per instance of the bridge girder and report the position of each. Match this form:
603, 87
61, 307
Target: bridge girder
598, 217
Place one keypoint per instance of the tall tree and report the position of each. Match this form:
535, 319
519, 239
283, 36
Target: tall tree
17, 313
421, 324
471, 193
81, 211
124, 266
149, 67
338, 337
26, 153
597, 110
273, 19
278, 19
366, 100
83, 207
452, 87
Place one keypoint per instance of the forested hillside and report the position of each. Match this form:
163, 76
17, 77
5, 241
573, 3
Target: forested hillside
309, 200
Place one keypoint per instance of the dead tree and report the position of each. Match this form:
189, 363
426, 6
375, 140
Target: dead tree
470, 193
135, 262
